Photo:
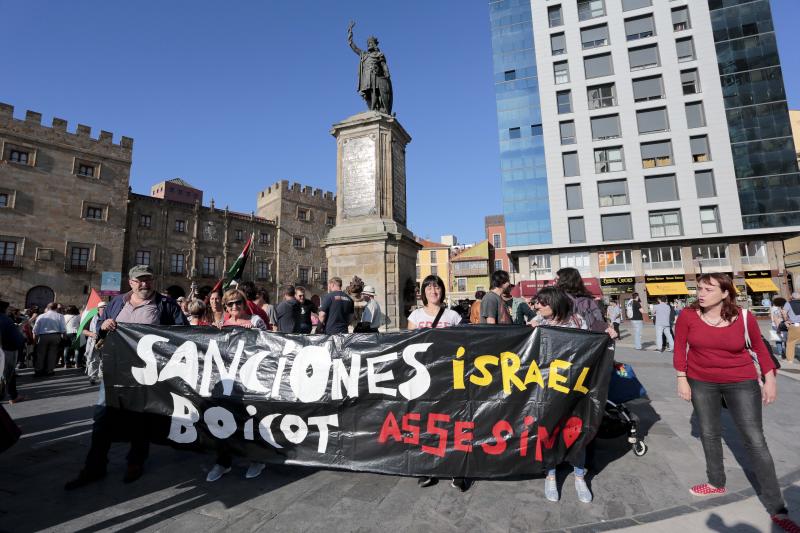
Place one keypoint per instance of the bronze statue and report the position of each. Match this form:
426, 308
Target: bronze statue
374, 82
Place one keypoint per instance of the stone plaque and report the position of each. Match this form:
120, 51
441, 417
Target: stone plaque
399, 181
358, 177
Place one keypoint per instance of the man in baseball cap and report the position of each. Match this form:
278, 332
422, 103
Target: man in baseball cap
372, 317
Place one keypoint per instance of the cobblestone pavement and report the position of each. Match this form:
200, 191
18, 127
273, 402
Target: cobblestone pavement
174, 496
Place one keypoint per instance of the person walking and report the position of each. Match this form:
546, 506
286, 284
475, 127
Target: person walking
493, 306
72, 319
12, 342
307, 310
792, 313
93, 356
569, 279
336, 309
636, 320
475, 308
778, 325
614, 314
289, 312
48, 333
372, 317
663, 316
713, 364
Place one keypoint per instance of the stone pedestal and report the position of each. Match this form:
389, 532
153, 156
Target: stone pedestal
370, 239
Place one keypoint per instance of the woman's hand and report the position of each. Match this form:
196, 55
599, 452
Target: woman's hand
769, 392
684, 390
611, 332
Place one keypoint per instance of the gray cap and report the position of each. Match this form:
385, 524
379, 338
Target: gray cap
139, 271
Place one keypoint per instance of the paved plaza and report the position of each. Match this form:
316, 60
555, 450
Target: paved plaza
647, 493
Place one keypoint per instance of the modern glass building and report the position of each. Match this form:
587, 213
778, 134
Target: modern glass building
644, 138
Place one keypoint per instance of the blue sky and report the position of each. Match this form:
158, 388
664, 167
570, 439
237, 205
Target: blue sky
234, 96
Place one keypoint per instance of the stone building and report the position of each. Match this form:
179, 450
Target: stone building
303, 217
62, 208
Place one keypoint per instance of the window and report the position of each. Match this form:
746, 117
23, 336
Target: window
754, 252
85, 170
577, 260
597, 66
700, 151
639, 28
262, 270
602, 96
145, 221
690, 81
180, 226
656, 154
614, 192
298, 242
645, 89
594, 36
323, 275
8, 253
209, 267
709, 220
94, 213
680, 18
238, 235
643, 57
574, 197
617, 227
79, 258
711, 255
536, 130
303, 215
564, 102
615, 261
695, 116
264, 238
685, 48
514, 133
561, 72
539, 263
589, 9
498, 264
142, 257
608, 160
554, 16
652, 120
661, 188
19, 156
570, 162
330, 221
433, 252
510, 75
629, 5
558, 44
4, 199
704, 181
177, 263
461, 284
665, 224
606, 127
662, 257
302, 275
577, 232
567, 130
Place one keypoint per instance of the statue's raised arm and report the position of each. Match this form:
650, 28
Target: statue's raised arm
353, 46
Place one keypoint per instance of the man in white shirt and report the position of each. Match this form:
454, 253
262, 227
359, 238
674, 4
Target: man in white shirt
372, 318
47, 333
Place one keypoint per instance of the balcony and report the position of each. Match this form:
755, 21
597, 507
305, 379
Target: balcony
755, 260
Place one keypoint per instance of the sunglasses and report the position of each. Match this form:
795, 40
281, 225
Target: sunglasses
235, 302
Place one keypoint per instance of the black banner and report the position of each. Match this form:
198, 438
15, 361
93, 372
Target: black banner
472, 401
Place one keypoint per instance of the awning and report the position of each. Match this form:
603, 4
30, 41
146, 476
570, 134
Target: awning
667, 288
761, 284
528, 288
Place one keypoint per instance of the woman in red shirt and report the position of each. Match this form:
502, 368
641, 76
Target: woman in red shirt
713, 364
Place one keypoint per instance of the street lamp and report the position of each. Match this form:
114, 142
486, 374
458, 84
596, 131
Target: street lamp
535, 266
699, 259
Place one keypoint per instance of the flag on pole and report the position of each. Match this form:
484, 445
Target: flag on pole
234, 273
88, 314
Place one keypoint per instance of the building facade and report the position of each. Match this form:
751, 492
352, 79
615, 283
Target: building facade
177, 190
643, 141
434, 259
62, 208
495, 227
472, 269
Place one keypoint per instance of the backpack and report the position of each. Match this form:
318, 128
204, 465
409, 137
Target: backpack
629, 308
587, 308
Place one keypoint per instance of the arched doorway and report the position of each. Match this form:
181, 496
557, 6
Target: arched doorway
39, 296
175, 291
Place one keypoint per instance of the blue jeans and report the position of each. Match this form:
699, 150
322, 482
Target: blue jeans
637, 334
578, 466
660, 332
744, 404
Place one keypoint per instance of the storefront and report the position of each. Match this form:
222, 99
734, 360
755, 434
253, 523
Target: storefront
529, 288
620, 289
670, 286
760, 285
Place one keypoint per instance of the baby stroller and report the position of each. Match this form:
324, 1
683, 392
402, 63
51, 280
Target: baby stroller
617, 419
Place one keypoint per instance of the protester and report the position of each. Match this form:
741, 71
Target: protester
778, 325
372, 317
12, 342
251, 293
92, 355
72, 319
184, 304
289, 312
336, 309
663, 316
792, 313
636, 320
713, 365
307, 310
554, 307
493, 308
27, 331
141, 305
197, 313
48, 333
475, 308
524, 313
614, 314
215, 312
569, 279
262, 301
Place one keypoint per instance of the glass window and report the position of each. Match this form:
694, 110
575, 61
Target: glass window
615, 261
264, 238
680, 18
539, 263
665, 223
3, 199
558, 44
711, 254
574, 197
561, 72
662, 257
19, 156
661, 188
578, 260
79, 258
180, 226
142, 257
303, 215
753, 252
85, 170
554, 16
695, 116
297, 242
94, 213
608, 160
685, 48
602, 96
495, 238
577, 232
700, 152
302, 275
209, 266
498, 265
709, 220
656, 154
597, 66
704, 180
536, 130
690, 81
617, 227
594, 36
145, 221
640, 28
570, 162
589, 9
605, 127
238, 235
651, 88
510, 75
461, 283
564, 102
262, 270
628, 5
567, 130
514, 133
330, 221
643, 57
652, 120
614, 192
176, 263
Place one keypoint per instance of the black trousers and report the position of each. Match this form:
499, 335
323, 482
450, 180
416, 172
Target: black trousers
114, 425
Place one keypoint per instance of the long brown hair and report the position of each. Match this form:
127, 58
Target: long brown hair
729, 308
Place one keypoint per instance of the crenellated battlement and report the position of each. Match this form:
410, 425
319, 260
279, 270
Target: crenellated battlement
31, 128
298, 192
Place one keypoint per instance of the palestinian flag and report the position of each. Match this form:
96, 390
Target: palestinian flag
236, 269
88, 314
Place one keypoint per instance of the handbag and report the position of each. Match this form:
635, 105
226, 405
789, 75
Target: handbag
753, 355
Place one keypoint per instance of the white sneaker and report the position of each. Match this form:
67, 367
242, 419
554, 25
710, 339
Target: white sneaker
550, 489
254, 470
584, 494
216, 472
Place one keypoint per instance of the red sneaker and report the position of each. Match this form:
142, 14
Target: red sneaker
785, 523
704, 489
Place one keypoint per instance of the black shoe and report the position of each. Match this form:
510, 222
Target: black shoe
427, 481
460, 483
133, 473
84, 478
